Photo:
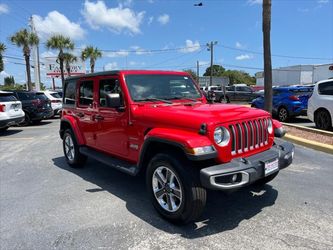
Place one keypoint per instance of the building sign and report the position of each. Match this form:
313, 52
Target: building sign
53, 67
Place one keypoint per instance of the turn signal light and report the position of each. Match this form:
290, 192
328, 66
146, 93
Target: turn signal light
2, 108
293, 98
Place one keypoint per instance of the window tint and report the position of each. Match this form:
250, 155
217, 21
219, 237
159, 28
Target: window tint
7, 98
23, 96
55, 95
86, 93
69, 93
107, 86
325, 88
41, 96
243, 89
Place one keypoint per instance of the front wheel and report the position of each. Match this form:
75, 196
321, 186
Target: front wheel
224, 99
283, 114
174, 189
71, 150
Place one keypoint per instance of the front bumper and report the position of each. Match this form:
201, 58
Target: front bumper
11, 121
245, 171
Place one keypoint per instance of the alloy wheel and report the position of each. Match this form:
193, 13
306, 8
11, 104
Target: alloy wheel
69, 148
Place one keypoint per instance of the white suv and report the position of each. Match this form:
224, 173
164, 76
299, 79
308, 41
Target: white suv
56, 100
11, 112
320, 105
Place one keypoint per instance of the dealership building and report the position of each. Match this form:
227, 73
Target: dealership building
298, 74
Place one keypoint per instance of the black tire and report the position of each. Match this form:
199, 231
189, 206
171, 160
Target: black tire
3, 129
224, 100
36, 122
323, 120
73, 156
27, 120
266, 179
283, 114
253, 106
193, 195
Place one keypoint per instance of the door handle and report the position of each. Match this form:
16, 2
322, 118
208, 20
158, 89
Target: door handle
79, 114
98, 117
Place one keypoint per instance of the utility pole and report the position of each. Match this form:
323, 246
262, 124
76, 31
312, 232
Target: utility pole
198, 72
35, 52
210, 47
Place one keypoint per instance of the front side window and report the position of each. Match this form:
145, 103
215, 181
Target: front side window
325, 88
7, 98
167, 87
23, 96
86, 93
107, 87
70, 92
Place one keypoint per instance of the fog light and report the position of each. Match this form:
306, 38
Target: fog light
201, 150
234, 178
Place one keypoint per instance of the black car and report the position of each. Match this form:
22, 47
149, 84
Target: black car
36, 107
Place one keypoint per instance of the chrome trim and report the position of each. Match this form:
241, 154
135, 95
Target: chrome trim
245, 179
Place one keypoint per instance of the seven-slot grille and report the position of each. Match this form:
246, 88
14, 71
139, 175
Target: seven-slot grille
248, 135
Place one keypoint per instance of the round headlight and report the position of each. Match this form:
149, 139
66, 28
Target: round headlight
270, 126
221, 136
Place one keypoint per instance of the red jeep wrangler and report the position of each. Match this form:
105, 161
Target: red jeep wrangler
159, 123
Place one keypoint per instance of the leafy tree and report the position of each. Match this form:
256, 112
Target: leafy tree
192, 73
2, 49
93, 54
8, 81
25, 39
266, 29
218, 70
68, 59
236, 76
13, 87
60, 43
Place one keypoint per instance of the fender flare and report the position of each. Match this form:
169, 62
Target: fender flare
180, 139
72, 123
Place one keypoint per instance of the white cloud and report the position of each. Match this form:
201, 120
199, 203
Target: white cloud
139, 51
254, 2
48, 54
190, 46
116, 19
111, 66
3, 8
120, 53
240, 46
244, 57
163, 19
150, 20
57, 23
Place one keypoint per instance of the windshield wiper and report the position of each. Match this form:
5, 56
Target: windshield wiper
154, 100
185, 98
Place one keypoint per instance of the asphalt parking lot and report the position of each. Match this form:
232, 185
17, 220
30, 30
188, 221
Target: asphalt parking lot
45, 204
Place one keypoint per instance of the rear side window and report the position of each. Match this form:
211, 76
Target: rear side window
69, 94
86, 93
55, 95
7, 98
23, 96
325, 88
41, 96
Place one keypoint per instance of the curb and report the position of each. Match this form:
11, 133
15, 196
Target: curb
314, 130
310, 144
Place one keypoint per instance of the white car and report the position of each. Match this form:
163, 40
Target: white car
320, 105
11, 112
56, 100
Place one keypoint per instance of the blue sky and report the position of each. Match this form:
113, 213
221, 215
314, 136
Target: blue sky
127, 30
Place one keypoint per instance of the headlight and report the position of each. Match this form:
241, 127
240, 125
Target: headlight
270, 126
221, 136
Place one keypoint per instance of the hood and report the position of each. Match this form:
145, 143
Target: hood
192, 116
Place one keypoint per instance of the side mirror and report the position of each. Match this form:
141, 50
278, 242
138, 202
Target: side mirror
114, 100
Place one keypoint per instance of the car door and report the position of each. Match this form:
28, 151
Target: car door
85, 110
111, 134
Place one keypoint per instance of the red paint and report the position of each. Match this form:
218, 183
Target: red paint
123, 134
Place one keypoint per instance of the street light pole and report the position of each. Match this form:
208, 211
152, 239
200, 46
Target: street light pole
210, 47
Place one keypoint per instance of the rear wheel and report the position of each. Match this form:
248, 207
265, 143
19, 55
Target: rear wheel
71, 150
224, 99
27, 120
283, 114
174, 189
3, 129
323, 120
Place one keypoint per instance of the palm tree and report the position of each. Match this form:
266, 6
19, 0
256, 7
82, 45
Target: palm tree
68, 59
266, 28
25, 39
61, 43
2, 49
93, 54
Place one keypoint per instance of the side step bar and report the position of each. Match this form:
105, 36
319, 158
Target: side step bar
120, 165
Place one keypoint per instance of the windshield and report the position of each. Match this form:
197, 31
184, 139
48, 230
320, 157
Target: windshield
166, 87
